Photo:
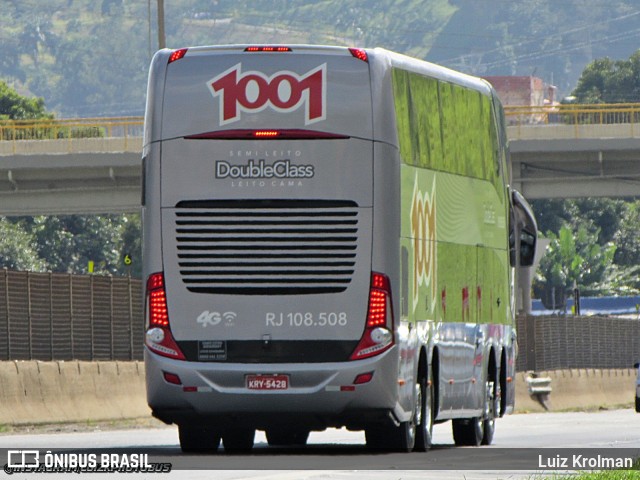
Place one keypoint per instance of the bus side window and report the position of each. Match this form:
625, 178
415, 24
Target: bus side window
143, 183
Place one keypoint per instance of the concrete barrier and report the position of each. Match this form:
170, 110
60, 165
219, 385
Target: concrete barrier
579, 389
33, 392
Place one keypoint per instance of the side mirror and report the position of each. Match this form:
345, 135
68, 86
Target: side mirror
636, 365
523, 233
527, 248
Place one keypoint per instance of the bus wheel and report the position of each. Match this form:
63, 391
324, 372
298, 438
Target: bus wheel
238, 440
424, 416
392, 439
197, 439
468, 431
296, 437
491, 406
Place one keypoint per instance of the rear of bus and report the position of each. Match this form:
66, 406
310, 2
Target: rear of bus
267, 304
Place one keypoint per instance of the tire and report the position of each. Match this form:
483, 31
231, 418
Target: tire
391, 439
424, 427
468, 431
197, 439
238, 440
289, 437
638, 404
376, 438
492, 404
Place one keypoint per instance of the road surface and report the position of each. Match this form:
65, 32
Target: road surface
338, 454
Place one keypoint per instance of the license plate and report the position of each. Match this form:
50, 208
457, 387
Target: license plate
267, 382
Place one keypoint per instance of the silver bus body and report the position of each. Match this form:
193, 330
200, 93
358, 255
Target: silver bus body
282, 291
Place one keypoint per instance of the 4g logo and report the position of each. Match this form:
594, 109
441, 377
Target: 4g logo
207, 318
283, 91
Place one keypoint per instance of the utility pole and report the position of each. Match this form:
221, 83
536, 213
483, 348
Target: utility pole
161, 36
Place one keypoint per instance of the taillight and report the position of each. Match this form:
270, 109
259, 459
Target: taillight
158, 337
177, 54
360, 54
378, 332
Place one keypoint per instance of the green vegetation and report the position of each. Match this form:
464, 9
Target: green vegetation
610, 81
91, 58
67, 243
594, 245
607, 475
14, 106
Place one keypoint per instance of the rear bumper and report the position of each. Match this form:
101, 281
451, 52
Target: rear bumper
320, 395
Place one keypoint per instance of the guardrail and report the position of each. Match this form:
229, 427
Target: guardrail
70, 135
52, 129
573, 114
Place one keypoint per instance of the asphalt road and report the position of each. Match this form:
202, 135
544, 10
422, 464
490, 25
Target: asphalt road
337, 454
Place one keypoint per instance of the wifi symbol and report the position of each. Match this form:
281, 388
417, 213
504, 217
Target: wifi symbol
229, 317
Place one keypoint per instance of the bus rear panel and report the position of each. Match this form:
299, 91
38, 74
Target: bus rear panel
262, 164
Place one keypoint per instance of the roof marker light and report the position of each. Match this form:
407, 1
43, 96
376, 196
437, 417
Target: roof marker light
267, 49
177, 54
360, 54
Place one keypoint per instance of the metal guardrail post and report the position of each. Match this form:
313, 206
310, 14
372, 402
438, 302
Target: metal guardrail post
539, 389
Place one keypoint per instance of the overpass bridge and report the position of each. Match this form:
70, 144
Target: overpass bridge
575, 150
93, 165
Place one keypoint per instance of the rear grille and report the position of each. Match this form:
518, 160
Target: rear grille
267, 247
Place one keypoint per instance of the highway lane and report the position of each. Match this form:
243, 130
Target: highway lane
336, 454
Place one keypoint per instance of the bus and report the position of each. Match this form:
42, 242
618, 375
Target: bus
329, 241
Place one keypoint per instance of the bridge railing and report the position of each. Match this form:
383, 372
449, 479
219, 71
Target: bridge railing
71, 129
70, 135
573, 114
52, 129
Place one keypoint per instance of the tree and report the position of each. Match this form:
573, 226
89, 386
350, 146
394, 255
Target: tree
17, 248
14, 106
610, 81
574, 258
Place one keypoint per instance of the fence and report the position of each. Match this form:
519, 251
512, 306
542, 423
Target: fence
50, 316
551, 343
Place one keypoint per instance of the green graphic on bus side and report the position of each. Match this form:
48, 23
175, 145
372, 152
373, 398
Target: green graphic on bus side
454, 216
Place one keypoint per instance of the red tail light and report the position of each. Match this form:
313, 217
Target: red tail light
378, 332
158, 337
177, 54
360, 54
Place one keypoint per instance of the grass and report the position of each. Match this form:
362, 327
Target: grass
608, 475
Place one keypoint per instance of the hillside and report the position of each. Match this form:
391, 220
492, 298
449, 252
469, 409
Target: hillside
91, 58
